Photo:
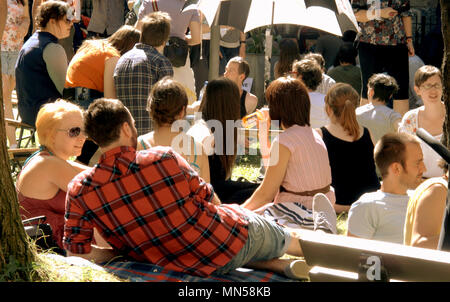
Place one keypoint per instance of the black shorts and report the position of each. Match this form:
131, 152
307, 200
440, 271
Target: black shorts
393, 60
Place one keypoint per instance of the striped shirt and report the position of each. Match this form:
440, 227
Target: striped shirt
151, 206
134, 76
308, 167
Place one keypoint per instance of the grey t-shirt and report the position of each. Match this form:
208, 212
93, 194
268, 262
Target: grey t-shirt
180, 21
379, 119
378, 216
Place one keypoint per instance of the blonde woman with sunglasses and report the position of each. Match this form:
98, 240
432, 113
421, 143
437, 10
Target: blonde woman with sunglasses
42, 183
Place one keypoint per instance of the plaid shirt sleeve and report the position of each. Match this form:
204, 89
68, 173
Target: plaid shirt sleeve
164, 68
78, 230
201, 189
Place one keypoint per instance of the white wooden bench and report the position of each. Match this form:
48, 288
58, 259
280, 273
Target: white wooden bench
341, 258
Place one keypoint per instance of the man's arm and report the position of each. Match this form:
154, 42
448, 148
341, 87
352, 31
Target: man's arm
407, 23
429, 214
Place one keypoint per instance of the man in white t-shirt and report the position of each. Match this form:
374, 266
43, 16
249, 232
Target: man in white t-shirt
377, 116
381, 215
310, 73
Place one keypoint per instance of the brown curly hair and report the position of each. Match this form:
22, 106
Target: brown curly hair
51, 10
166, 101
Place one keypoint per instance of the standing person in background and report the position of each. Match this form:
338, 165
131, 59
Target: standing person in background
347, 71
350, 148
385, 41
42, 63
289, 53
106, 18
328, 46
181, 21
16, 28
232, 44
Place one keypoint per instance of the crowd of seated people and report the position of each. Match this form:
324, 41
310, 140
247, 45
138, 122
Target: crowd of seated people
324, 162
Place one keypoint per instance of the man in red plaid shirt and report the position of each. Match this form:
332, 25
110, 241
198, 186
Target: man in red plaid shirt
150, 206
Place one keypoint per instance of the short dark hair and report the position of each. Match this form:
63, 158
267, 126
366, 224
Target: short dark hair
104, 119
347, 53
155, 29
243, 66
310, 71
289, 102
384, 87
51, 10
391, 148
166, 100
424, 73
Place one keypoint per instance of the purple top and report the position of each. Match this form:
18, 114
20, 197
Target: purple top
180, 21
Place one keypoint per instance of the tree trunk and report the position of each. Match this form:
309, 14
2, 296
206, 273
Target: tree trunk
16, 256
445, 19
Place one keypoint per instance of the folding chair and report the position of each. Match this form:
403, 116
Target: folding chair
24, 140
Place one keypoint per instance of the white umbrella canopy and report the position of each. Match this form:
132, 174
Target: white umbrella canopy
247, 15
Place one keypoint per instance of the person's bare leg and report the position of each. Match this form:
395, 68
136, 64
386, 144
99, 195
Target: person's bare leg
9, 82
292, 268
401, 106
341, 208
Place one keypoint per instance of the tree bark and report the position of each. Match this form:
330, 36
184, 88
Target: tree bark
445, 19
16, 255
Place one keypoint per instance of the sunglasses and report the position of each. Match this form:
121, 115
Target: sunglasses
72, 132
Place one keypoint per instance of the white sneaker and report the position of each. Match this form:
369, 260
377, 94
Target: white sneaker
324, 215
297, 269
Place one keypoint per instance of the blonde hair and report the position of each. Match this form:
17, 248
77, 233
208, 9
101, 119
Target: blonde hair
49, 117
343, 100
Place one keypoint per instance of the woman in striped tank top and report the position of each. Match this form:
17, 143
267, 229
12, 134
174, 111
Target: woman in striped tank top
298, 166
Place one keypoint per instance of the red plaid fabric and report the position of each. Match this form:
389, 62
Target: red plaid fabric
151, 206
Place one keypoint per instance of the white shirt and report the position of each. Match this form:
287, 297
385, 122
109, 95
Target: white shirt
379, 216
318, 117
378, 119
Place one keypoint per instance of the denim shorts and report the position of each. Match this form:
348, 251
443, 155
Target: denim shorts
266, 240
9, 59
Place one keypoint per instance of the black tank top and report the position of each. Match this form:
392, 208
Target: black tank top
352, 166
243, 109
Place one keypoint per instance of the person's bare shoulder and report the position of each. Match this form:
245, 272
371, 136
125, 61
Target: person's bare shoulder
251, 101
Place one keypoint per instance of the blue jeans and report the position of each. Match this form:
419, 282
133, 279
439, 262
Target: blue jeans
266, 240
